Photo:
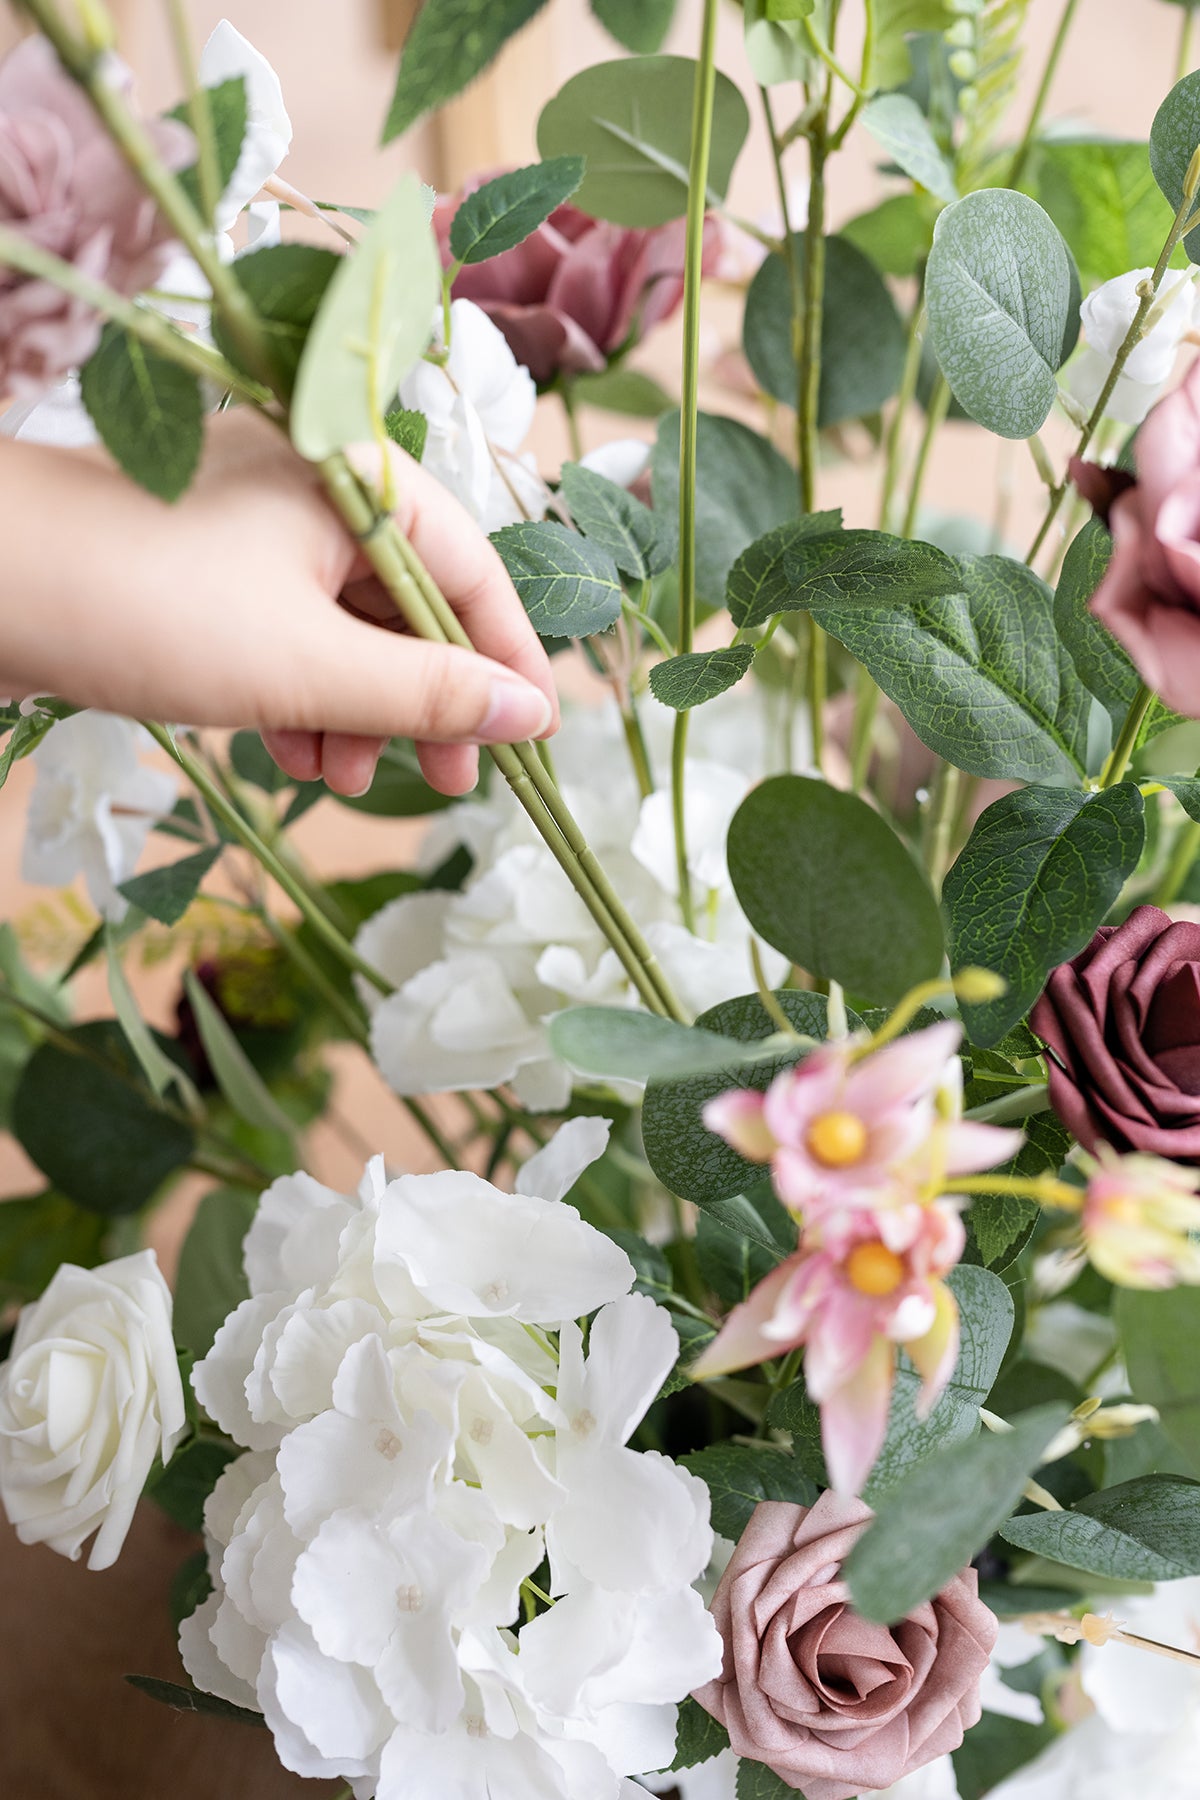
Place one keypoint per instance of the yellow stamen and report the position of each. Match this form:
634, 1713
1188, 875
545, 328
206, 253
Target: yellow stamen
837, 1139
874, 1269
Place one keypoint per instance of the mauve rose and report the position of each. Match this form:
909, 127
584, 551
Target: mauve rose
65, 187
571, 295
833, 1705
1150, 595
1123, 1025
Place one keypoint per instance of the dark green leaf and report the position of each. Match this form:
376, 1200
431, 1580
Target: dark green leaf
409, 429
148, 411
165, 894
760, 584
227, 113
698, 1737
738, 1477
1159, 1334
653, 1271
502, 213
758, 1215
1174, 139
686, 681
37, 1233
253, 762
942, 1513
694, 1335
1103, 198
730, 1262
25, 733
1102, 665
743, 488
631, 121
399, 790
1144, 1530
449, 43
756, 1782
1039, 873
995, 1748
286, 283
568, 586
616, 521
190, 1588
628, 391
899, 126
640, 25
211, 1282
184, 1699
188, 1479
847, 567
824, 879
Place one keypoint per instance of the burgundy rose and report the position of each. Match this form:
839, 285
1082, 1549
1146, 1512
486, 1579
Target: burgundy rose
576, 290
1123, 1025
834, 1705
66, 188
1150, 595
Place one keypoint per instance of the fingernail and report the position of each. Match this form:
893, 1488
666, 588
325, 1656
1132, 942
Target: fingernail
516, 710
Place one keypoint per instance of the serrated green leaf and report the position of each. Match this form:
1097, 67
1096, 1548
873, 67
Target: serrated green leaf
683, 682
631, 121
239, 1081
759, 584
211, 1281
640, 25
165, 894
170, 1693
568, 586
1039, 873
148, 410
899, 126
698, 1736
1174, 139
738, 1478
1159, 1333
756, 1782
287, 284
1144, 1530
449, 44
409, 429
849, 567
227, 113
941, 1513
824, 879
617, 522
998, 287
373, 324
1101, 663
502, 213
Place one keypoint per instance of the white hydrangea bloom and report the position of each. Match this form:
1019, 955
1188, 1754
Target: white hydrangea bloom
423, 1430
1107, 314
93, 806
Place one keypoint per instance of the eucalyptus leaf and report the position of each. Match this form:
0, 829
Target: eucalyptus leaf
760, 581
166, 893
738, 1478
896, 21
286, 283
619, 390
899, 126
502, 213
686, 681
998, 286
1174, 140
616, 521
148, 411
631, 121
1143, 1530
568, 585
239, 1081
1039, 874
744, 487
895, 235
38, 1232
640, 25
449, 43
776, 47
1159, 1333
636, 1046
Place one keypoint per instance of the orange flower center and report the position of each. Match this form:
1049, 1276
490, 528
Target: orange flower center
874, 1269
837, 1139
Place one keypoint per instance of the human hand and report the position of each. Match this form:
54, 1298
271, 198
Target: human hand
223, 609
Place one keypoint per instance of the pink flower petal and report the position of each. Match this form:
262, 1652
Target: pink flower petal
854, 1420
742, 1340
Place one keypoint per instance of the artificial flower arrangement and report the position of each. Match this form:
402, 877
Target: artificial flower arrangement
803, 1398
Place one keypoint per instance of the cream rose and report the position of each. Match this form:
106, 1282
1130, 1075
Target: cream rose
90, 1395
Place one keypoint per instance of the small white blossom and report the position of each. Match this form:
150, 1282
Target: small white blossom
1107, 314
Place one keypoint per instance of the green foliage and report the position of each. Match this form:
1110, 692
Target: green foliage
862, 337
1100, 662
744, 487
628, 391
631, 121
686, 681
998, 288
640, 25
1039, 873
776, 47
449, 44
896, 234
211, 1282
165, 894
638, 1046
239, 1081
869, 566
760, 581
373, 324
617, 522
399, 790
188, 1479
161, 1071
26, 730
699, 1737
1144, 1530
408, 429
730, 1262
1159, 1333
899, 126
148, 410
994, 1749
941, 1514
122, 1143
502, 213
568, 585
980, 675
739, 1477
1174, 139
1103, 198
190, 1588
287, 283
824, 879
756, 1782
37, 1233
895, 21
182, 1699
227, 114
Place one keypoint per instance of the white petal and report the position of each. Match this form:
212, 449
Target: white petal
268, 128
327, 1717
553, 1170
345, 1588
632, 1520
632, 1348
621, 460
202, 1663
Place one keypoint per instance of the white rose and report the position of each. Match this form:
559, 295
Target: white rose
1106, 315
90, 1395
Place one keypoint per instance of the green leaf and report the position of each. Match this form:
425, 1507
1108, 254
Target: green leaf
686, 681
640, 25
1144, 1530
652, 1270
409, 429
896, 234
637, 1046
824, 879
165, 894
862, 337
738, 1478
227, 112
631, 121
1159, 1334
852, 566
941, 1514
895, 21
1039, 873
760, 584
399, 790
1100, 662
26, 730
759, 1216
449, 43
287, 284
899, 126
1103, 198
239, 1081
980, 675
148, 410
37, 1233
190, 1587
1174, 139
253, 762
502, 213
161, 1071
998, 288
756, 1782
698, 1737
617, 522
731, 1263
372, 326
211, 1282
776, 47
188, 1479
996, 1748
569, 586
121, 1144
184, 1699
627, 391
743, 488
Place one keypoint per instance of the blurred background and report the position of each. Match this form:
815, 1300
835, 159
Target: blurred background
69, 1728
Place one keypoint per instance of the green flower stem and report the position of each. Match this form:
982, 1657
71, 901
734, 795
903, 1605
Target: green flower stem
943, 809
199, 109
1149, 293
808, 397
824, 54
791, 246
1123, 749
935, 418
862, 731
1183, 855
702, 121
1029, 138
1020, 1105
639, 755
151, 328
1045, 1189
904, 399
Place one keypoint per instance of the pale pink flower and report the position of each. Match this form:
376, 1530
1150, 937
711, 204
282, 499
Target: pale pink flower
1140, 1216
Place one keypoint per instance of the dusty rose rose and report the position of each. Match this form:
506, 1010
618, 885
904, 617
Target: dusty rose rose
1150, 596
65, 187
833, 1705
575, 291
1123, 1025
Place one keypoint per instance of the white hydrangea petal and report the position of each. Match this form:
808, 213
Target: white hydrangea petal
292, 1242
333, 1462
219, 1379
345, 1588
1134, 1692
207, 1670
632, 1520
401, 939
632, 1348
498, 1601
552, 1171
312, 1348
327, 1718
